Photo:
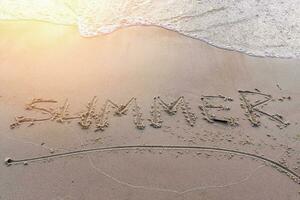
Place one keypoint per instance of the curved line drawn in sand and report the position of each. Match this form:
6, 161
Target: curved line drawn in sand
253, 111
130, 185
166, 190
170, 190
290, 173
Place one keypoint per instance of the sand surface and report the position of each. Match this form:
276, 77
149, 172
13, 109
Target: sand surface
40, 60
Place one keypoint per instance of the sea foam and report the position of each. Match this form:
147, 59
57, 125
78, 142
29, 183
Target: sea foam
256, 27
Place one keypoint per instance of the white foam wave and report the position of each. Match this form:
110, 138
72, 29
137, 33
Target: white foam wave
257, 27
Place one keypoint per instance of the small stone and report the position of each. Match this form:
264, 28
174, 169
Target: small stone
8, 161
25, 163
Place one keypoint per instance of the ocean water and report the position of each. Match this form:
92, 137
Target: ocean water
256, 27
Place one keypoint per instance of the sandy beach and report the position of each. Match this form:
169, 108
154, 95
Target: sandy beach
56, 63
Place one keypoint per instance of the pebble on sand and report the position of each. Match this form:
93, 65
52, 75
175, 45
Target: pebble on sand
8, 161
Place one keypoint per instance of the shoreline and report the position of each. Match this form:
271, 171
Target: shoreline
103, 34
263, 28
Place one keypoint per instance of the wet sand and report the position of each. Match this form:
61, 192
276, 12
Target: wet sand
40, 60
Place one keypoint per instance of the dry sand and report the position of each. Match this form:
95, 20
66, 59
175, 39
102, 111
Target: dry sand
40, 60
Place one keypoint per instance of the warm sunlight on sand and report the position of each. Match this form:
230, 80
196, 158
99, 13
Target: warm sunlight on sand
56, 11
36, 35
